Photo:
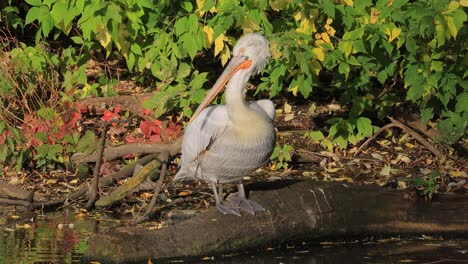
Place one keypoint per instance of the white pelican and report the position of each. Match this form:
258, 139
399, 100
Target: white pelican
224, 143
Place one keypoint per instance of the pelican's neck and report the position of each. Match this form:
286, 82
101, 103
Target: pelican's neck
238, 109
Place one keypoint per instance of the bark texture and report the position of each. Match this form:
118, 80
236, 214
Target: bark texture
296, 210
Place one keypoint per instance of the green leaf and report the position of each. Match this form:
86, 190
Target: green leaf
42, 137
415, 92
87, 143
198, 80
46, 112
33, 14
3, 152
34, 2
462, 103
187, 6
364, 126
427, 114
343, 68
329, 8
181, 26
316, 135
47, 23
2, 126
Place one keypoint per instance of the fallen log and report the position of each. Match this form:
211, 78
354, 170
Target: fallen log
296, 210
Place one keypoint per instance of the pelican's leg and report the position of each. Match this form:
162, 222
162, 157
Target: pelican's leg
243, 203
223, 207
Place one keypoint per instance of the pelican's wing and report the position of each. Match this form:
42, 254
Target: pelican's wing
266, 105
208, 126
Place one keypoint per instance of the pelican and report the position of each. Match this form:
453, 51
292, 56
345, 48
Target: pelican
224, 143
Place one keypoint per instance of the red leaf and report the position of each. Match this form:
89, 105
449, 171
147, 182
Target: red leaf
146, 128
155, 138
130, 139
173, 130
51, 140
107, 115
117, 109
146, 111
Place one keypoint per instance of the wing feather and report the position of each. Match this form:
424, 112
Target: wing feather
207, 127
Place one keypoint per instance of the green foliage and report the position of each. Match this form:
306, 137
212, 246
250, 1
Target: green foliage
373, 56
429, 185
281, 156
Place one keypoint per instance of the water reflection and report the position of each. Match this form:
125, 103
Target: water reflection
62, 239
49, 240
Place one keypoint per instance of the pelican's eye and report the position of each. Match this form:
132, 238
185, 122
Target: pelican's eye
241, 51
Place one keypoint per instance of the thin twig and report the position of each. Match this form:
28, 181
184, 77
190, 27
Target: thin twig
414, 134
164, 157
105, 181
418, 137
95, 183
387, 126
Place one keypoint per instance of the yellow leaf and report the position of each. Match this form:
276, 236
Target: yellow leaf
329, 21
452, 6
298, 16
278, 5
146, 195
316, 67
287, 108
464, 3
275, 52
402, 185
392, 33
325, 37
103, 35
306, 27
200, 3
319, 54
185, 193
51, 181
208, 35
294, 89
457, 174
289, 117
348, 2
409, 145
249, 25
225, 55
451, 26
374, 16
219, 44
333, 170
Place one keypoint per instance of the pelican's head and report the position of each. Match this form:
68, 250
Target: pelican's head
251, 54
253, 47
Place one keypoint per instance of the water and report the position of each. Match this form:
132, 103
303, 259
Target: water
51, 239
59, 238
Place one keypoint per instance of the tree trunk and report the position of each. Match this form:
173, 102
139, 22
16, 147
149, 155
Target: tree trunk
296, 210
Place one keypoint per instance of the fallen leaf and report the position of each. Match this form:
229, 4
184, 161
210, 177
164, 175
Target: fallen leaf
185, 193
385, 170
402, 185
458, 173
289, 117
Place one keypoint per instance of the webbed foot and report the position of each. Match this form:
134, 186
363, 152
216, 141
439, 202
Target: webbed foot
246, 205
227, 208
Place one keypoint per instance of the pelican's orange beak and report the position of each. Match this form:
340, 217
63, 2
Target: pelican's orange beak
237, 63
